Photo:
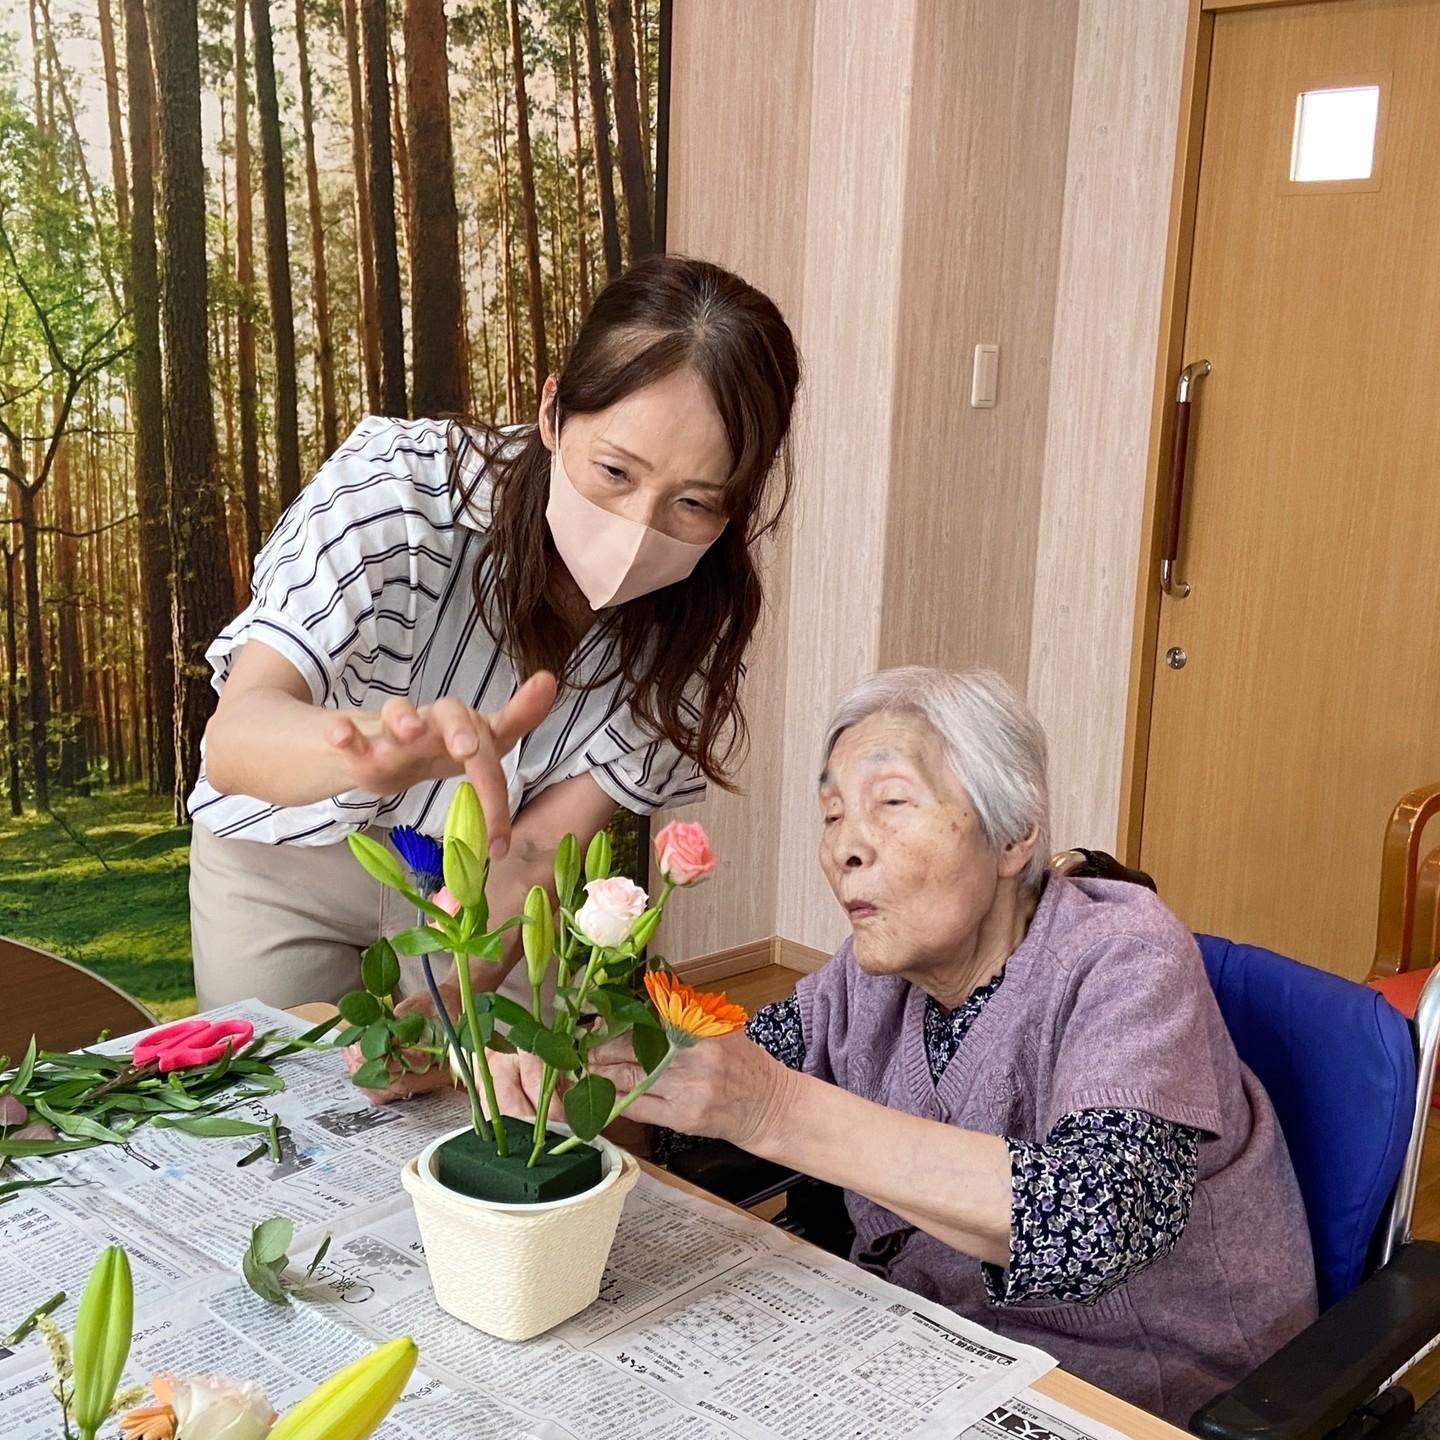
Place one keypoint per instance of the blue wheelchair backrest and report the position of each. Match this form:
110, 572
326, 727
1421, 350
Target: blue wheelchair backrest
1338, 1063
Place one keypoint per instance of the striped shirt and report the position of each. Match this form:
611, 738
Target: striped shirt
367, 587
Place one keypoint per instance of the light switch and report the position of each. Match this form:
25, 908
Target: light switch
982, 381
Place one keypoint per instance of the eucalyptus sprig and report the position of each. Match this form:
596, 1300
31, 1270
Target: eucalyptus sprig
265, 1260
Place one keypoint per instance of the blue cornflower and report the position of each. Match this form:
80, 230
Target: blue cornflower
424, 857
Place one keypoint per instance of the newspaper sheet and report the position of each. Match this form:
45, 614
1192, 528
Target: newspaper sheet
708, 1324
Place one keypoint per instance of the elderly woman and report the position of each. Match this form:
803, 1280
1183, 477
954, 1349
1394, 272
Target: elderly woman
1022, 1082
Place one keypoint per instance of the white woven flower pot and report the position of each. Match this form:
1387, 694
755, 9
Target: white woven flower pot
514, 1271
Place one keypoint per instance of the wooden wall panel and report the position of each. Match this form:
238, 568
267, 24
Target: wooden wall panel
985, 187
1126, 98
859, 126
739, 159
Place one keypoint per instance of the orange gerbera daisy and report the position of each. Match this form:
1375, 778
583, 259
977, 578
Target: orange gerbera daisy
152, 1422
689, 1014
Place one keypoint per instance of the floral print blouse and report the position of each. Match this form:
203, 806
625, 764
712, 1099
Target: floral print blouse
1106, 1193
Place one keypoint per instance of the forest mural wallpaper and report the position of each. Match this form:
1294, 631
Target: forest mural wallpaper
227, 232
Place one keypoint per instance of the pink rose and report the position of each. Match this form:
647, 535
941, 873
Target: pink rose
684, 853
610, 911
446, 901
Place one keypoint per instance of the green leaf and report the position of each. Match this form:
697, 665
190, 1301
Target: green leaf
308, 1041
19, 1082
421, 940
377, 860
360, 1008
483, 1030
484, 947
12, 1187
525, 1032
350, 1035
409, 1028
509, 1012
264, 1280
318, 1257
373, 1075
379, 969
270, 1239
588, 1104
556, 1050
651, 1046
375, 1042
427, 907
622, 1007
30, 1149
211, 1126
78, 1126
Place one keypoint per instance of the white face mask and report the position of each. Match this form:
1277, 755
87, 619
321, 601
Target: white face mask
611, 558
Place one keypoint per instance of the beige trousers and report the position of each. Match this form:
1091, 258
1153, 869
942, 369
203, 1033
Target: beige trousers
286, 923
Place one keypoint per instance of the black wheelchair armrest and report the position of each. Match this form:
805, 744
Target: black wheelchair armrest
1341, 1362
730, 1172
814, 1210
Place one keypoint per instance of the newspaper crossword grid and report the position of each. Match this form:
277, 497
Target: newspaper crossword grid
709, 1325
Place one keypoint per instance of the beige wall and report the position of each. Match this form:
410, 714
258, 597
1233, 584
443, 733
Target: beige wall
1124, 112
909, 178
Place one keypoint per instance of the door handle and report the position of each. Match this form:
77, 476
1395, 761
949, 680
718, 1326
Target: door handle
1179, 449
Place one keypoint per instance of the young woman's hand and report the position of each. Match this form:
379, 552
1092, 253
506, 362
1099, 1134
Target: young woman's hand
389, 751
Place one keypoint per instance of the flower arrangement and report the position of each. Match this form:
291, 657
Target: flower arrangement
87, 1371
593, 939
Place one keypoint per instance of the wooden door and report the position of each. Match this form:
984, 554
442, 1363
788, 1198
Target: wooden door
1308, 699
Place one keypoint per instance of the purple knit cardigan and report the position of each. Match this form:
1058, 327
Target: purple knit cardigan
1105, 1003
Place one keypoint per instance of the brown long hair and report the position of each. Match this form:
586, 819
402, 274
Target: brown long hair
666, 313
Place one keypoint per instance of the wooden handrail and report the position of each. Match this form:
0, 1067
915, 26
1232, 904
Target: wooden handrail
1425, 948
1399, 875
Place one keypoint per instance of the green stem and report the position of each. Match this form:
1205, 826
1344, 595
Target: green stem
502, 1143
548, 1077
623, 1104
586, 980
467, 1008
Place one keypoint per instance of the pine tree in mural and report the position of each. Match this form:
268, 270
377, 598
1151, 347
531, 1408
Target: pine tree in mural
229, 229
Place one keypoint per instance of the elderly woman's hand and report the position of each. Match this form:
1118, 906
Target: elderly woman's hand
727, 1088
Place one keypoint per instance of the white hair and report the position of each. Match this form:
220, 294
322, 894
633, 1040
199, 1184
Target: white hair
993, 743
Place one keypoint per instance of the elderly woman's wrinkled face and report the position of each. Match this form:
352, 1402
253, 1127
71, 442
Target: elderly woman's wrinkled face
904, 852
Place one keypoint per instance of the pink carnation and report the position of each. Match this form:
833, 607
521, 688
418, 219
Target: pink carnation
684, 852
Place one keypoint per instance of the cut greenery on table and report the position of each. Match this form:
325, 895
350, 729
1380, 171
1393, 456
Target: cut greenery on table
265, 1260
184, 1076
594, 939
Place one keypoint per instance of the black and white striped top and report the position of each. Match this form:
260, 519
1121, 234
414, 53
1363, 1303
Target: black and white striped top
367, 588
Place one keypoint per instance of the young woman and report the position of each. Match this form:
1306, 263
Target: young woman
559, 613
